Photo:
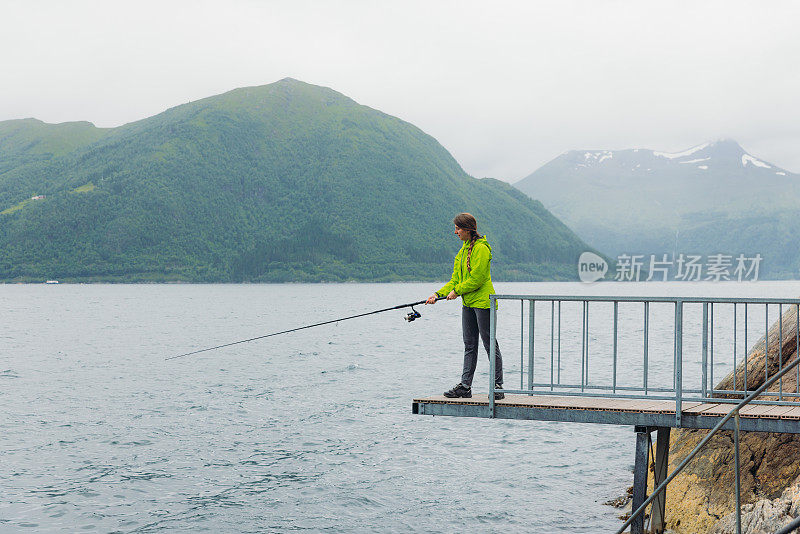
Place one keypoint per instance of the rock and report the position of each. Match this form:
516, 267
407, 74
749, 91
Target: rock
702, 497
764, 516
704, 492
623, 500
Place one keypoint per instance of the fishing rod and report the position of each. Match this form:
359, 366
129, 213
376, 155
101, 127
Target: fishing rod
410, 316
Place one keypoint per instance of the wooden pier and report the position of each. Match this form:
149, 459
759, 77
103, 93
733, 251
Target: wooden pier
555, 385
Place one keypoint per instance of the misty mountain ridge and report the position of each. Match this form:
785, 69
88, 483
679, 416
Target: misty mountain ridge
712, 198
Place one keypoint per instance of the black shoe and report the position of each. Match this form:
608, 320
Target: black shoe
498, 394
459, 390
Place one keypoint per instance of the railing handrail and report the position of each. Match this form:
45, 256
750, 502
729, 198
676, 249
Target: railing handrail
786, 529
628, 298
681, 395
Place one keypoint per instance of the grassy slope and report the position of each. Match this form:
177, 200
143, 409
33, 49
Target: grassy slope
28, 145
32, 136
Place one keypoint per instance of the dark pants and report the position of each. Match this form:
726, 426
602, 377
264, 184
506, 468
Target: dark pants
473, 322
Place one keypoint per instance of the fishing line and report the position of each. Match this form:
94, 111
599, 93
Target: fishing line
412, 315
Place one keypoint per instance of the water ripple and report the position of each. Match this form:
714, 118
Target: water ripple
310, 431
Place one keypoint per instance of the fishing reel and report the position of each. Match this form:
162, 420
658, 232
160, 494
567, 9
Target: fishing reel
412, 315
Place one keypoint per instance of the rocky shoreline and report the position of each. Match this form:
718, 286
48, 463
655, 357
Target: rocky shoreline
764, 516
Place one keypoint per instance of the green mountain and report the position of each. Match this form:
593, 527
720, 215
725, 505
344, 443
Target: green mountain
282, 182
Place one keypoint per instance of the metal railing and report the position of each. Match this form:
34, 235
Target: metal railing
652, 365
681, 390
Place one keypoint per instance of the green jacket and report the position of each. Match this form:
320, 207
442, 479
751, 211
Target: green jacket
474, 285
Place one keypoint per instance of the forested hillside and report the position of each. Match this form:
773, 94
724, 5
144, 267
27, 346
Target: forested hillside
283, 182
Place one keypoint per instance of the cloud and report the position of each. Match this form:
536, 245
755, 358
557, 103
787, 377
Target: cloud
504, 86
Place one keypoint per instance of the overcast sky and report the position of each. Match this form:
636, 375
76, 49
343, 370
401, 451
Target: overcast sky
504, 86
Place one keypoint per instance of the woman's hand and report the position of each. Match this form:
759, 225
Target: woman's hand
432, 299
452, 296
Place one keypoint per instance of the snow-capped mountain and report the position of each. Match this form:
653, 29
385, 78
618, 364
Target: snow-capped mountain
724, 154
641, 200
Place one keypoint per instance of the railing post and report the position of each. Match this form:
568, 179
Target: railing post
532, 320
745, 350
738, 484
587, 343
558, 374
614, 378
492, 349
704, 372
766, 342
678, 361
583, 347
521, 343
646, 336
780, 350
552, 338
734, 351
711, 346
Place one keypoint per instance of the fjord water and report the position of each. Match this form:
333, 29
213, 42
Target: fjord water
307, 431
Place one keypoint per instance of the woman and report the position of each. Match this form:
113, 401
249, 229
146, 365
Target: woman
472, 281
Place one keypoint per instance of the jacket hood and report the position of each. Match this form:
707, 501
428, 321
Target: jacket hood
481, 239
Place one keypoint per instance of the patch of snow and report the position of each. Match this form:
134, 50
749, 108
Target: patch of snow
695, 160
704, 167
781, 173
681, 154
598, 156
747, 158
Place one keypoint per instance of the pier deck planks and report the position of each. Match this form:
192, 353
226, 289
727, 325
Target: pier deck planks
645, 412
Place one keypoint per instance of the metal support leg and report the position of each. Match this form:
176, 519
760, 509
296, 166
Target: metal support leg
640, 476
657, 515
